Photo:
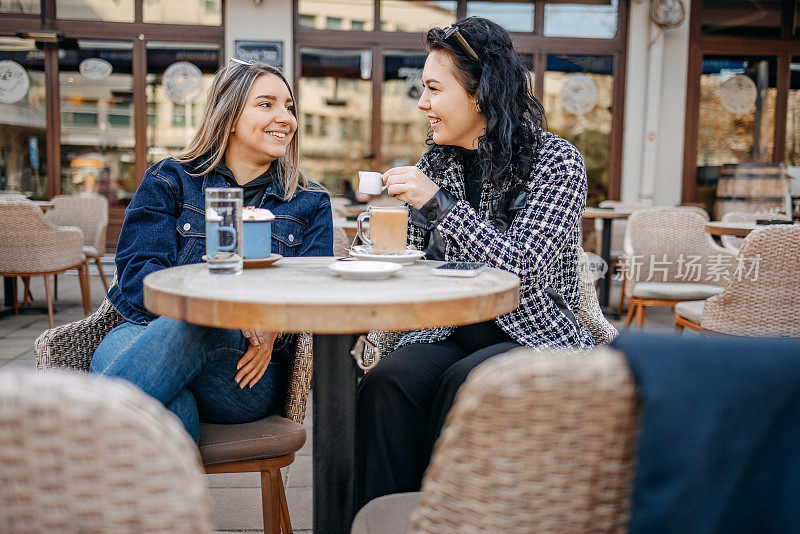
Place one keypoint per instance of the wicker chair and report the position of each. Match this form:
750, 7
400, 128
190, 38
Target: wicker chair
87, 454
732, 243
12, 197
618, 228
263, 446
341, 245
31, 246
589, 315
536, 442
662, 238
766, 305
88, 212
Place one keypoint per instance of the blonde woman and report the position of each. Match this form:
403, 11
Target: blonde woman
247, 139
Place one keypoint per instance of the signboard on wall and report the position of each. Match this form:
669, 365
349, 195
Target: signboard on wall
270, 52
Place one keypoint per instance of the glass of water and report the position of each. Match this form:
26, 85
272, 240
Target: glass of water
224, 229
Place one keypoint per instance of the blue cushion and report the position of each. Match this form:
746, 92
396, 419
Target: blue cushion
719, 443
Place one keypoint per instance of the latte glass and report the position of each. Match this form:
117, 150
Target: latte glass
388, 229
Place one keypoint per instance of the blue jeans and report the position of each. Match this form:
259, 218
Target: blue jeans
190, 369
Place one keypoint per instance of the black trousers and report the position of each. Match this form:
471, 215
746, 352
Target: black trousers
403, 403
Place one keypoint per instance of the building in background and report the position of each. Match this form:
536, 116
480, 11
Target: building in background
657, 95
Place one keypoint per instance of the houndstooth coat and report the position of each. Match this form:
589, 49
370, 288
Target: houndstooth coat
540, 245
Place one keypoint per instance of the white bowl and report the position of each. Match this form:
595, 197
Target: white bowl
364, 270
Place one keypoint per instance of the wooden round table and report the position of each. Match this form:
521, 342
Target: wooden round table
736, 229
44, 205
303, 295
608, 216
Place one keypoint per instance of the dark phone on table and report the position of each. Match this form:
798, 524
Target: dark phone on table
459, 268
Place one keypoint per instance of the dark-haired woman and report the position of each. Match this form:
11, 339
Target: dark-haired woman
495, 188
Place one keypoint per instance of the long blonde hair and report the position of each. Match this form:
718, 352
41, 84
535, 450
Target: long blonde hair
226, 100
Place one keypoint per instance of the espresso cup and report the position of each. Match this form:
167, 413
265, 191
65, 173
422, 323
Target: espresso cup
257, 239
257, 229
370, 183
388, 229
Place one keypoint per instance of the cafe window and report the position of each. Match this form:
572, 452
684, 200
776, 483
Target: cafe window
324, 14
20, 7
401, 89
196, 12
737, 110
578, 97
97, 136
513, 16
797, 18
744, 18
416, 15
597, 19
23, 123
335, 88
375, 119
178, 79
793, 116
744, 109
116, 11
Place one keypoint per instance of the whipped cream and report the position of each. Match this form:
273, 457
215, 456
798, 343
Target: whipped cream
257, 214
212, 215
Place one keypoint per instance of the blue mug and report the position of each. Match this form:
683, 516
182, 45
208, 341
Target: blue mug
214, 233
257, 239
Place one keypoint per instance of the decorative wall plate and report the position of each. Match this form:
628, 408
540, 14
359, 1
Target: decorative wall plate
95, 68
738, 94
183, 82
14, 82
579, 94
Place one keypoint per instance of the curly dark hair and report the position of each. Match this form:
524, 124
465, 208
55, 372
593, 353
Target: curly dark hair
501, 82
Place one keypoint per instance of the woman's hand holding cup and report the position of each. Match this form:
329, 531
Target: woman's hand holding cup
410, 185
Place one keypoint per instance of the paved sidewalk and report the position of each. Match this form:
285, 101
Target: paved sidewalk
237, 497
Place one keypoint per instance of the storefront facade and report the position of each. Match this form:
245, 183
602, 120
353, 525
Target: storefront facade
359, 71
92, 92
743, 98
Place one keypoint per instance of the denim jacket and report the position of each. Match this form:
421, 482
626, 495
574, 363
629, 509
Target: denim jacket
164, 227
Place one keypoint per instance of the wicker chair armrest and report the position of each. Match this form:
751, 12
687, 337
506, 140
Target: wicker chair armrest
100, 236
589, 313
383, 343
302, 366
72, 345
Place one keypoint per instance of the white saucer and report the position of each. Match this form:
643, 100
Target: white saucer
364, 270
362, 252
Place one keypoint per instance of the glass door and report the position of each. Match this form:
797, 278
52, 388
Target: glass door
335, 97
22, 118
404, 128
178, 78
97, 130
578, 97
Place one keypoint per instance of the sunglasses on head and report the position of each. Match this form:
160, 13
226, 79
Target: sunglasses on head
452, 31
236, 61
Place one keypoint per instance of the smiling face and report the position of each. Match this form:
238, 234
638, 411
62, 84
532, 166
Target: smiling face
452, 112
267, 123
